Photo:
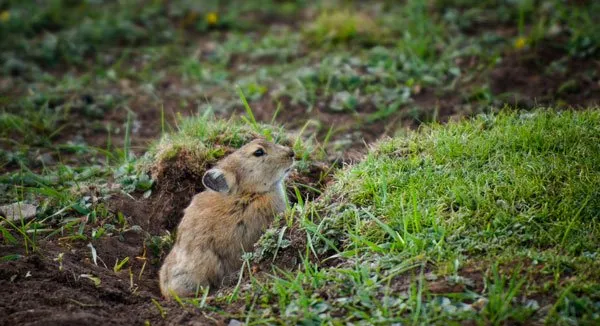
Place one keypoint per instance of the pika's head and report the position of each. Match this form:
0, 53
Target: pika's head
257, 167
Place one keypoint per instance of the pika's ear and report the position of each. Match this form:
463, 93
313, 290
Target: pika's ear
216, 180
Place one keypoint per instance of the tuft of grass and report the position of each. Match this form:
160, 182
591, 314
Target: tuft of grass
204, 139
343, 26
422, 33
502, 292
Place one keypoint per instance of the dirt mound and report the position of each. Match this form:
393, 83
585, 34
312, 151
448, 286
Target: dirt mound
174, 187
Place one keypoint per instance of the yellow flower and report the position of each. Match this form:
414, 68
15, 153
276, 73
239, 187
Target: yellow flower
520, 42
212, 18
4, 16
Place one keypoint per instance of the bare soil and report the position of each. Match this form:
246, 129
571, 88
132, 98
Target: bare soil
41, 290
547, 75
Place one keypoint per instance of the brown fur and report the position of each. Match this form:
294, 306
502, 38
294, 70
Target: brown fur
222, 223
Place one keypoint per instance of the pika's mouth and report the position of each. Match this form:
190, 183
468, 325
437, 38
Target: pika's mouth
289, 168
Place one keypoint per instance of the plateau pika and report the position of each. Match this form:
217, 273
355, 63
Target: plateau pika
243, 194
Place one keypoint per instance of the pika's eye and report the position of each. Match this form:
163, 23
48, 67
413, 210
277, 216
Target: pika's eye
259, 152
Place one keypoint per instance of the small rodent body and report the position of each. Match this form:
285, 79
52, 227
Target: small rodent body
243, 194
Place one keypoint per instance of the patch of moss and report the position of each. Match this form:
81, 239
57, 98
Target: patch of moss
342, 26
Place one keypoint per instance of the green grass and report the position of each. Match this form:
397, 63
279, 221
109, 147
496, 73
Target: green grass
494, 174
343, 26
505, 194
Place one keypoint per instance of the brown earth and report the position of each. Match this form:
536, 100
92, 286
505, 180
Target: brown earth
39, 289
547, 75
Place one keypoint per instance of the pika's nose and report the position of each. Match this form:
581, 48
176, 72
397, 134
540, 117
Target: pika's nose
291, 153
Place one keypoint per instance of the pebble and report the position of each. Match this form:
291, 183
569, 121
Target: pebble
18, 210
235, 322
